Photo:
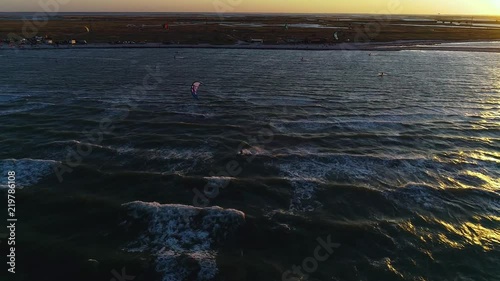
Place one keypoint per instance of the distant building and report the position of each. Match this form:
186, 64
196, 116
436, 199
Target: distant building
257, 41
72, 42
49, 41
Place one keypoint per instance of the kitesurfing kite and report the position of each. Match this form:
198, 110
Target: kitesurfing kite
194, 89
81, 32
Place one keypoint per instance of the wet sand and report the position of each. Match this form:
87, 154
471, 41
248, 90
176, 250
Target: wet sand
388, 46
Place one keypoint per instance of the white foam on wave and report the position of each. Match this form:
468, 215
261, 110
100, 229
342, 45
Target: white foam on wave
321, 126
28, 107
306, 176
126, 149
319, 152
192, 110
218, 182
308, 168
414, 194
168, 153
301, 126
204, 115
28, 171
254, 150
180, 235
330, 167
82, 144
178, 160
179, 154
362, 169
303, 197
181, 160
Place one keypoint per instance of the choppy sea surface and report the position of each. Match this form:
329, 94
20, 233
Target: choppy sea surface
120, 170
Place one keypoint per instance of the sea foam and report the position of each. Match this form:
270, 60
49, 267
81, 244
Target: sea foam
183, 238
28, 171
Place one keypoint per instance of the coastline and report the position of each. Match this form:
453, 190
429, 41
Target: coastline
418, 45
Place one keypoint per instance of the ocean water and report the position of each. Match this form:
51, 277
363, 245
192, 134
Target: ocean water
120, 170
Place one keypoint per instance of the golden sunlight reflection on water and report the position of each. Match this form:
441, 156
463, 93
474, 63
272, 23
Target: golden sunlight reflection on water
457, 235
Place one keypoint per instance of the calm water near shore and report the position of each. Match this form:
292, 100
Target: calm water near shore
401, 172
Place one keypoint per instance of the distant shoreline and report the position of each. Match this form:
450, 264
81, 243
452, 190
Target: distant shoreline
376, 46
243, 14
324, 32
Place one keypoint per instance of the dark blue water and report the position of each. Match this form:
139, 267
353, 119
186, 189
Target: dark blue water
401, 171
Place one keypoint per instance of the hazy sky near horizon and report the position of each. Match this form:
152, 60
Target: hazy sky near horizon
484, 7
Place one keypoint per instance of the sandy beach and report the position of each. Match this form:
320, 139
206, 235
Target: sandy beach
442, 45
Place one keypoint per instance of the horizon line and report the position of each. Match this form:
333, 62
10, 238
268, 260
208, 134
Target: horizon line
252, 13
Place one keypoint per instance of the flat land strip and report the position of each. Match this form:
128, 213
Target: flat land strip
273, 30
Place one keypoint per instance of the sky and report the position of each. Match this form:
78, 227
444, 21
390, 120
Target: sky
478, 7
